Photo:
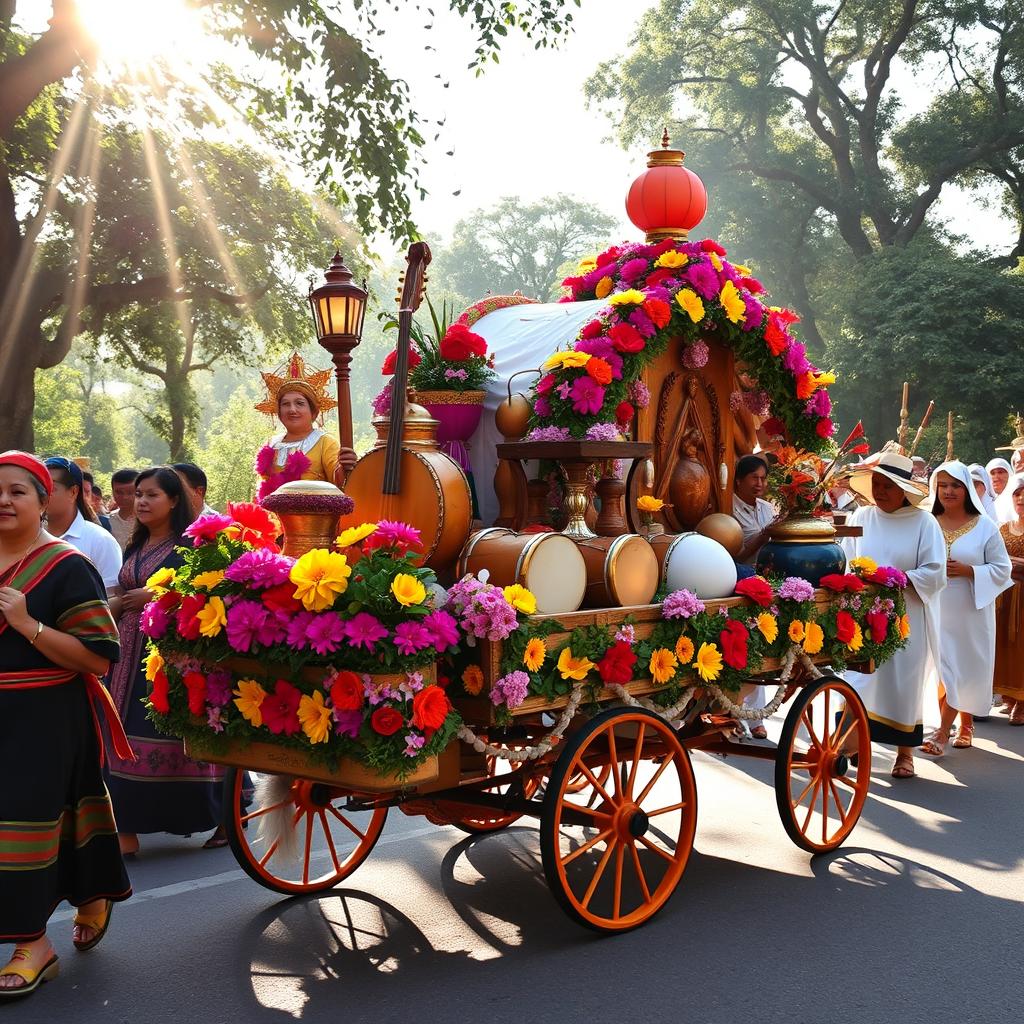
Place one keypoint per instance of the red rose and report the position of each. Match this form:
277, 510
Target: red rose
734, 644
617, 664
657, 276
281, 598
599, 370
709, 245
281, 709
347, 691
774, 427
841, 582
659, 312
460, 343
392, 357
845, 627
188, 624
592, 330
386, 720
758, 589
430, 708
624, 413
195, 683
626, 338
824, 428
878, 623
158, 695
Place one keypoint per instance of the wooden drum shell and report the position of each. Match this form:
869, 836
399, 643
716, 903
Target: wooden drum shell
621, 571
434, 498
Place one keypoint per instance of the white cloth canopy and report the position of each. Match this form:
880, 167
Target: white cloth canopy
909, 539
521, 338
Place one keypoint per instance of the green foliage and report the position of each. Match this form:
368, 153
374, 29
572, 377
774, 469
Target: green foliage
58, 420
232, 440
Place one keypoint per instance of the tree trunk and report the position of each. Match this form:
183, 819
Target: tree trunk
17, 398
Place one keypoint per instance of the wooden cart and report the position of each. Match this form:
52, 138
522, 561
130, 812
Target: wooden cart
615, 797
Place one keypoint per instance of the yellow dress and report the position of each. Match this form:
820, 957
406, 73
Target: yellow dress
1008, 678
319, 449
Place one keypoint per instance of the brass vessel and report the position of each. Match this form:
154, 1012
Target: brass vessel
309, 511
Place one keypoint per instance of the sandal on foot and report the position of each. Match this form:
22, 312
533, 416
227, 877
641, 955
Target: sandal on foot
904, 767
32, 979
1017, 714
217, 840
99, 923
964, 738
935, 745
759, 732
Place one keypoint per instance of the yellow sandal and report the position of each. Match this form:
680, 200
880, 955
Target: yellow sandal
33, 979
99, 923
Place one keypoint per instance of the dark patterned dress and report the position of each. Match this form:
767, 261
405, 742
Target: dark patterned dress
162, 791
58, 840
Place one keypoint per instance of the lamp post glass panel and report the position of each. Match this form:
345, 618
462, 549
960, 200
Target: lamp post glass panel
339, 306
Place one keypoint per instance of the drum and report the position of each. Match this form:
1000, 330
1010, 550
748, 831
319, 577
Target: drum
549, 565
621, 571
660, 543
701, 565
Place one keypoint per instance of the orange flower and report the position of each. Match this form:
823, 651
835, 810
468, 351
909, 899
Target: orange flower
599, 370
903, 625
253, 524
430, 708
473, 680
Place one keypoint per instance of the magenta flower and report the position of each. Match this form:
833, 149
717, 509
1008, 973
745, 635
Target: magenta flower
542, 407
632, 269
295, 631
795, 359
265, 460
411, 637
381, 404
246, 619
819, 405
643, 323
155, 620
597, 346
392, 534
702, 277
218, 687
754, 312
348, 723
260, 569
206, 528
587, 395
325, 633
444, 628
364, 630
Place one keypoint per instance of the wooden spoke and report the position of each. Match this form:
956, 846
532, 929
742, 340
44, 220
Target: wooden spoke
638, 750
617, 898
330, 839
824, 813
309, 845
588, 845
838, 745
264, 810
638, 868
598, 872
657, 775
665, 810
810, 808
825, 731
656, 849
598, 788
270, 853
800, 799
613, 760
348, 824
808, 725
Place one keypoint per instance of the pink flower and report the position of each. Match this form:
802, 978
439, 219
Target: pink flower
563, 390
218, 687
265, 460
632, 269
444, 628
696, 355
155, 620
381, 405
206, 528
295, 632
364, 630
325, 633
411, 637
348, 723
545, 384
542, 407
643, 323
245, 621
511, 690
587, 395
701, 275
260, 568
391, 534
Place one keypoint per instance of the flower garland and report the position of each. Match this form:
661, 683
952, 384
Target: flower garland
687, 290
294, 466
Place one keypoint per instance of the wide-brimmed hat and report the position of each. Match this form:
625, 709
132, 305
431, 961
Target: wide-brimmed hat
893, 466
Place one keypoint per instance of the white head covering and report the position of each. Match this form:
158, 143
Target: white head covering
962, 475
980, 474
1005, 512
998, 464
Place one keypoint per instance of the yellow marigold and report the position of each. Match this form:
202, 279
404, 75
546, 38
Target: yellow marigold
741, 269
587, 264
603, 287
690, 303
672, 259
716, 261
566, 360
473, 680
684, 649
249, 699
903, 625
573, 668
208, 580
709, 662
521, 599
354, 534
535, 653
731, 302
863, 564
768, 626
796, 631
662, 665
630, 297
320, 576
648, 503
814, 638
154, 663
407, 590
857, 640
161, 581
212, 617
316, 718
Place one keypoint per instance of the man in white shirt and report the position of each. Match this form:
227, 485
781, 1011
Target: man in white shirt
122, 518
68, 517
749, 509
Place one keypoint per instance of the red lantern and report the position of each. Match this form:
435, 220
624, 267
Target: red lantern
668, 199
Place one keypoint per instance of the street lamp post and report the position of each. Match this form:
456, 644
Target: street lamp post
339, 306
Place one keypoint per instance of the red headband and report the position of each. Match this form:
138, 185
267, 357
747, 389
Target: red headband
30, 464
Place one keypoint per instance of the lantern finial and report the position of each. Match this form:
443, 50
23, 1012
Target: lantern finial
665, 140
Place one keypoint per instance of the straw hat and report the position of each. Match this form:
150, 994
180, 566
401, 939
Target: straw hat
893, 466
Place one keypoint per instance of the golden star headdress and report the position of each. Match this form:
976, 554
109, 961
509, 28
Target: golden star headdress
292, 376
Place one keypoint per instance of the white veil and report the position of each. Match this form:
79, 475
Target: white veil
959, 472
1005, 512
988, 499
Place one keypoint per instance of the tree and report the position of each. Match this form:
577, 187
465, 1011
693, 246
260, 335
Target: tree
59, 425
520, 246
331, 106
228, 455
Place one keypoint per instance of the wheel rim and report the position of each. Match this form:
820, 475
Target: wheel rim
327, 842
824, 791
493, 821
617, 848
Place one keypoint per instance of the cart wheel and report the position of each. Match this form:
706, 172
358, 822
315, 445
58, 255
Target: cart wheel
494, 821
614, 852
819, 792
580, 782
328, 842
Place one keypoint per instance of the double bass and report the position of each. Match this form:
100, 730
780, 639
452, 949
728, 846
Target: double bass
413, 483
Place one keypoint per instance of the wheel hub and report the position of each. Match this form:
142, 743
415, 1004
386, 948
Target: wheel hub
841, 766
631, 822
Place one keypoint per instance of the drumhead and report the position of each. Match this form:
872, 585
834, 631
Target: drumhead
552, 569
631, 571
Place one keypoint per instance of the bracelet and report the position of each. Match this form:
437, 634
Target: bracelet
39, 630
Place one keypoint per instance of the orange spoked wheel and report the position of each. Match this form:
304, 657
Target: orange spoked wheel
297, 836
823, 768
614, 851
495, 820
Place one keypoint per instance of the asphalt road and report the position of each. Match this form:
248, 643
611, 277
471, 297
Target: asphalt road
917, 918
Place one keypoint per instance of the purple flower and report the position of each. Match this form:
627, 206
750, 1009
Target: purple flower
413, 744
696, 355
451, 374
643, 323
213, 719
587, 395
295, 631
590, 279
639, 394
246, 622
599, 346
602, 432
795, 359
681, 604
548, 434
702, 277
348, 723
218, 687
793, 588
325, 633
381, 405
364, 630
542, 407
632, 269
511, 690
754, 313
819, 405
626, 635
411, 637
260, 568
444, 628
563, 390
155, 620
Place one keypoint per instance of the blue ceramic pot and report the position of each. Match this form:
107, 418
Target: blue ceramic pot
802, 546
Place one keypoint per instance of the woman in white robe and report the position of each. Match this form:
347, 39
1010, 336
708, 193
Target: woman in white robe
978, 569
898, 533
983, 489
